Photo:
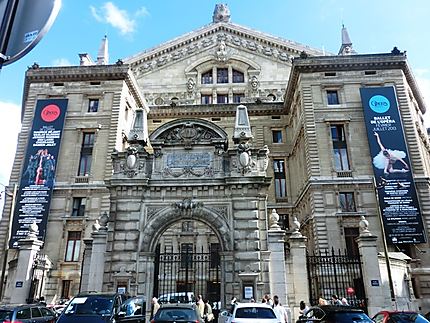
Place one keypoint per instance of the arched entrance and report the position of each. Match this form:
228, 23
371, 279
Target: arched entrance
187, 263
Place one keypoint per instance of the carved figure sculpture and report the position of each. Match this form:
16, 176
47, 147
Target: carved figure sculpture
221, 13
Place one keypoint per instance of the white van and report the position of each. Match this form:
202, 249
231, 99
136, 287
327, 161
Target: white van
178, 297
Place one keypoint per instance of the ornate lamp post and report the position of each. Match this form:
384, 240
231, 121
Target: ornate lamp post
7, 238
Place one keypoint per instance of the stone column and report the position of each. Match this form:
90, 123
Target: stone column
276, 246
378, 294
86, 261
97, 263
28, 248
146, 279
298, 273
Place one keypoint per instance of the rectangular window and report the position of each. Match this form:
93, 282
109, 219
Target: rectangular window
78, 206
222, 75
284, 221
222, 98
187, 226
346, 202
332, 97
340, 151
351, 245
277, 136
93, 105
65, 289
238, 97
280, 178
206, 99
207, 77
186, 255
73, 246
215, 259
86, 154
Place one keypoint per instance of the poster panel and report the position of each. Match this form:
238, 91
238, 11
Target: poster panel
395, 186
38, 174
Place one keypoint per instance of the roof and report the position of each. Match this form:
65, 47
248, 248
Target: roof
250, 304
209, 36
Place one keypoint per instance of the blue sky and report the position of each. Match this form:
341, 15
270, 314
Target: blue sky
374, 26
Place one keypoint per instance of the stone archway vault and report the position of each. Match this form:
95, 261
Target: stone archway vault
161, 220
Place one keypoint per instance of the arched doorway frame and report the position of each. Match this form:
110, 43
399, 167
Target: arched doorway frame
166, 217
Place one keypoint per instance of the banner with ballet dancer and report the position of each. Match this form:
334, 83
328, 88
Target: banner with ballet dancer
38, 174
394, 182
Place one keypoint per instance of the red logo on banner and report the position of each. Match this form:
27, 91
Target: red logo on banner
50, 113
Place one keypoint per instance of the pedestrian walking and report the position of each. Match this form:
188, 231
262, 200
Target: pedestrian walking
279, 310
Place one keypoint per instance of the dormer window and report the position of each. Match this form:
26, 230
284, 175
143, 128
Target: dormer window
207, 77
222, 75
238, 77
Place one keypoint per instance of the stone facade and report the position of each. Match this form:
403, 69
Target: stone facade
197, 158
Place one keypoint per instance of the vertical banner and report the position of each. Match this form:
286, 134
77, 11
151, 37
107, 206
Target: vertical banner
397, 195
37, 179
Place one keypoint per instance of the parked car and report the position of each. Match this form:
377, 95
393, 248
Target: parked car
249, 313
334, 314
29, 313
178, 297
184, 313
103, 308
399, 317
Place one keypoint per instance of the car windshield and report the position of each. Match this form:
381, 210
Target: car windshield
176, 314
255, 313
134, 306
349, 317
5, 315
407, 317
90, 305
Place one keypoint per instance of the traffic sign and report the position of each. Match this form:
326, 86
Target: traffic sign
24, 23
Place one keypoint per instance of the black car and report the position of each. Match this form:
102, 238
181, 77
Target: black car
104, 308
184, 313
334, 314
29, 313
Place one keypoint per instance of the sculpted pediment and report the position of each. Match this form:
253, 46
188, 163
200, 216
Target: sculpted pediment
187, 133
221, 41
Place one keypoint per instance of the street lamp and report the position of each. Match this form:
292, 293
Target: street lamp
7, 238
377, 186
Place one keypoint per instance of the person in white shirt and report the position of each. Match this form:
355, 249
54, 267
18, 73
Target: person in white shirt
280, 311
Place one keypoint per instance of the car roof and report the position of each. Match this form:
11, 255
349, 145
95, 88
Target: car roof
250, 304
12, 307
338, 308
395, 312
86, 294
178, 305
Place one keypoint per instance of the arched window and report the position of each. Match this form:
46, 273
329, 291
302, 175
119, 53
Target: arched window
238, 77
222, 75
207, 77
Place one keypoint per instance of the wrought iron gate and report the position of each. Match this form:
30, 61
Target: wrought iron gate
188, 271
336, 273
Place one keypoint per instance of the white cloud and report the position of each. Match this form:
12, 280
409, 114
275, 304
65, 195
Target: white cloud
142, 12
423, 80
61, 62
10, 125
117, 18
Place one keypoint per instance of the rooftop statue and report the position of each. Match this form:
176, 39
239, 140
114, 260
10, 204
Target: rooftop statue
221, 13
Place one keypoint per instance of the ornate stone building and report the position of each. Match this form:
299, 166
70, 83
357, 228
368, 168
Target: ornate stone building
185, 151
